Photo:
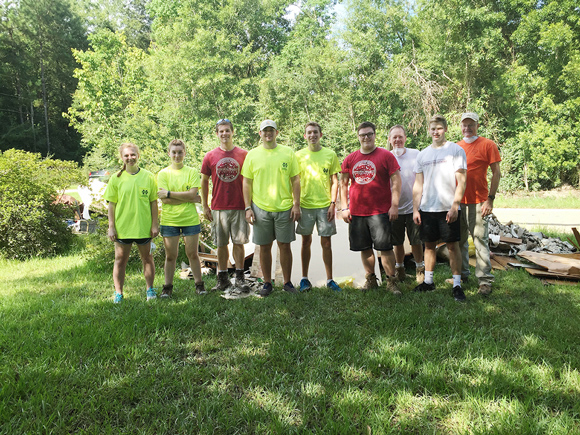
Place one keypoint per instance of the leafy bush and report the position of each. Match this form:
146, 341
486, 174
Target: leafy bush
31, 223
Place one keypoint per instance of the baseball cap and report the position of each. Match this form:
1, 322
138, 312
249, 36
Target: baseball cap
470, 115
268, 123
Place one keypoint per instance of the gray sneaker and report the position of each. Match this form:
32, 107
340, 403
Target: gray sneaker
289, 287
371, 282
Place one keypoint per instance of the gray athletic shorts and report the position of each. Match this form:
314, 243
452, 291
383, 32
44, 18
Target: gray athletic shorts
398, 227
318, 216
229, 223
272, 225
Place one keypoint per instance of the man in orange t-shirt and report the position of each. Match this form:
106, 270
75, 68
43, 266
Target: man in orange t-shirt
477, 202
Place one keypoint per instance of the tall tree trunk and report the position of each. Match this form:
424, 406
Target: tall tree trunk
32, 123
44, 98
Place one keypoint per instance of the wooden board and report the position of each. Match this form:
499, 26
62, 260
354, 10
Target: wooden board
554, 263
510, 240
547, 274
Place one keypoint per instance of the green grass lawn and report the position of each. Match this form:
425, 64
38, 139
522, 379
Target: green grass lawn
320, 362
568, 198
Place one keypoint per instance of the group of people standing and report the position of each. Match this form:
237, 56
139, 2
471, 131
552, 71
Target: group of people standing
438, 194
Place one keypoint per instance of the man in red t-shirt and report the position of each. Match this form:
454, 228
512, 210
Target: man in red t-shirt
374, 202
223, 165
477, 202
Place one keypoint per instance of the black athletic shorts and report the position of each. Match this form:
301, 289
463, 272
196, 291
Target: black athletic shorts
434, 227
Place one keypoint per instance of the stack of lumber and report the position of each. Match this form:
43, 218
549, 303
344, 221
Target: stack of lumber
554, 266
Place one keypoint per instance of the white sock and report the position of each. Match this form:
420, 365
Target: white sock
220, 271
421, 264
304, 277
456, 280
329, 280
428, 277
399, 265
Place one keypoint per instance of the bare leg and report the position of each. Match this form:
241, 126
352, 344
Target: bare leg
326, 255
388, 261
454, 257
171, 248
191, 250
430, 256
223, 254
266, 261
400, 254
417, 251
121, 257
285, 260
148, 264
306, 253
239, 256
368, 260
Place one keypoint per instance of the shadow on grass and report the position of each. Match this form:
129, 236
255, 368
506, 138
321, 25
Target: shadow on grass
321, 361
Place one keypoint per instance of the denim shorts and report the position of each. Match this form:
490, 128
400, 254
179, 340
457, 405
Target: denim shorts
169, 231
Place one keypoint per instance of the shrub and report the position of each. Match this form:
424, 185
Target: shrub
31, 223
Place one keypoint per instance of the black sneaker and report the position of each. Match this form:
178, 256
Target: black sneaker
424, 287
289, 287
458, 293
266, 290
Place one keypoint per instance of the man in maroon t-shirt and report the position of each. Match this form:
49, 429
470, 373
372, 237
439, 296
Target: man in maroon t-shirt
374, 203
223, 165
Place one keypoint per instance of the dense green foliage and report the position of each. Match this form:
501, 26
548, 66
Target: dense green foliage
31, 223
320, 362
158, 69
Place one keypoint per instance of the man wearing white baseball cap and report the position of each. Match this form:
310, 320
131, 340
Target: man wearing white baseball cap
478, 200
271, 189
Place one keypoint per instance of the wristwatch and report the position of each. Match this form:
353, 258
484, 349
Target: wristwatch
492, 197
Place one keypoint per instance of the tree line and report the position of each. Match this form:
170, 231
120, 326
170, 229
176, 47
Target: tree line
79, 78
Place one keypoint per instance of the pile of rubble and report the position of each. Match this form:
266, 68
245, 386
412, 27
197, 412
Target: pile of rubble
512, 239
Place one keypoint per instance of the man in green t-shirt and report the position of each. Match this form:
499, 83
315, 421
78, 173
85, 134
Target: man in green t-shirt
318, 189
271, 190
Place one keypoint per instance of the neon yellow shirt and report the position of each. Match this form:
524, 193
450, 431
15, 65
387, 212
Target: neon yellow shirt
316, 171
133, 195
271, 171
179, 180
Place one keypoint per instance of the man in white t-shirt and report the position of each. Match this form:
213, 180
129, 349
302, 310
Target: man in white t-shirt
406, 158
437, 193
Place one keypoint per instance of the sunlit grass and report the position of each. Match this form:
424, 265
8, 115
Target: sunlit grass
321, 362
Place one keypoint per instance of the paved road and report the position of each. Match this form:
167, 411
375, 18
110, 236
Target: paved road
557, 219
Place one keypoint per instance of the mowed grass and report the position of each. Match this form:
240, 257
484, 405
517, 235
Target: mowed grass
557, 198
340, 363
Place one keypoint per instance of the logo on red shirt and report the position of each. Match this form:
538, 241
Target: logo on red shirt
227, 169
364, 172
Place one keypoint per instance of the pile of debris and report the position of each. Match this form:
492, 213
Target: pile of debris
550, 259
511, 239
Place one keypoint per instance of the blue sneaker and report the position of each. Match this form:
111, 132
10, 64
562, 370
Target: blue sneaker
117, 298
332, 285
305, 285
266, 290
151, 294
